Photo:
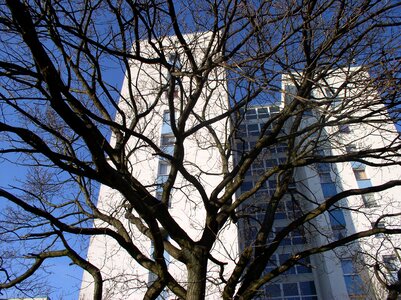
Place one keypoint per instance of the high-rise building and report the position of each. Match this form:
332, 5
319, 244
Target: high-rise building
338, 274
347, 272
146, 85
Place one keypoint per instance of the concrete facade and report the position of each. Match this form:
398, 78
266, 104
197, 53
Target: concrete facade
331, 275
124, 278
347, 272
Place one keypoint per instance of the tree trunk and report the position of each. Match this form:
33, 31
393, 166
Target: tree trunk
197, 270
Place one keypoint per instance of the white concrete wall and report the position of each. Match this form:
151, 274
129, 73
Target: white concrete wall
125, 279
369, 135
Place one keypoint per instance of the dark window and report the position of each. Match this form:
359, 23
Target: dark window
282, 160
270, 163
350, 148
241, 131
369, 200
166, 127
282, 147
356, 165
354, 285
308, 112
290, 289
352, 280
272, 184
175, 60
240, 147
263, 113
253, 129
164, 168
280, 212
323, 167
329, 189
293, 209
325, 178
258, 164
273, 149
167, 140
378, 225
273, 290
307, 288
348, 267
298, 237
360, 174
292, 186
274, 110
251, 114
304, 267
344, 129
246, 186
337, 218
392, 265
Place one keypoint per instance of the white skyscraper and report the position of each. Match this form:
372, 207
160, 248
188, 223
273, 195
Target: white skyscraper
346, 272
329, 275
124, 278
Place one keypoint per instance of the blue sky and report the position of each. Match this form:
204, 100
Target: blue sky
62, 277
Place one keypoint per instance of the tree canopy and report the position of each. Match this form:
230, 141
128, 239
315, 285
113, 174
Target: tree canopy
324, 68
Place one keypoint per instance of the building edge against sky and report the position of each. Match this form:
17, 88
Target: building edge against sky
346, 272
332, 275
129, 279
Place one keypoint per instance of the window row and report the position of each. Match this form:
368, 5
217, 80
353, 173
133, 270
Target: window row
305, 290
276, 149
302, 267
249, 230
295, 237
267, 187
329, 188
255, 208
259, 113
288, 209
246, 130
167, 138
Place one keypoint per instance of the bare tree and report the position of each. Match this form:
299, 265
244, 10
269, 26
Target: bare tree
322, 67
